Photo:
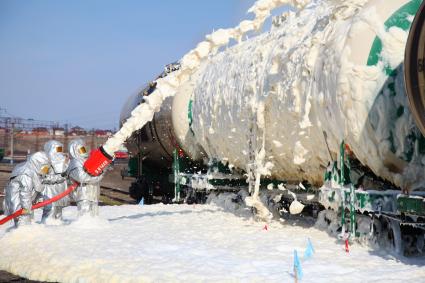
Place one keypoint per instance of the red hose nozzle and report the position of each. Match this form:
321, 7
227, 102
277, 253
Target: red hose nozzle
97, 161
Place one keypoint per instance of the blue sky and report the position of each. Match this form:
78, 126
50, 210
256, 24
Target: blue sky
78, 61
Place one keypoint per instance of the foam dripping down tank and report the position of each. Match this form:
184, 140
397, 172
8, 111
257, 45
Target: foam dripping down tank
335, 67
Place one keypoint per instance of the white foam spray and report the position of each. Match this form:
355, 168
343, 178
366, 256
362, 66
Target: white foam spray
189, 64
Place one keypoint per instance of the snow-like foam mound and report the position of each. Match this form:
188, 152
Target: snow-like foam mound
187, 243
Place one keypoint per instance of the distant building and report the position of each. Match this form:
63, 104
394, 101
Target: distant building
77, 131
57, 131
40, 131
102, 133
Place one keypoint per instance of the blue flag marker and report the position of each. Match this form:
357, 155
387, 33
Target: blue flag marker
309, 251
142, 202
297, 266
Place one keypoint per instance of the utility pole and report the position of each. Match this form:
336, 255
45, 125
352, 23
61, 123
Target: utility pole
65, 141
36, 140
6, 129
11, 142
92, 145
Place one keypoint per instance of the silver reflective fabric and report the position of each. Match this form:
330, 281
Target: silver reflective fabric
55, 182
74, 149
58, 160
87, 193
24, 186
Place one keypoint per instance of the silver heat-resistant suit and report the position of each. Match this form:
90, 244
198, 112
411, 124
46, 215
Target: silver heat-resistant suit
87, 193
55, 182
25, 185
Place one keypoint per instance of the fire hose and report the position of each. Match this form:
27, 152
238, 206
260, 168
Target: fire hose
40, 204
94, 166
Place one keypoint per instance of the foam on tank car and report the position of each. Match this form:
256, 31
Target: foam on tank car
333, 69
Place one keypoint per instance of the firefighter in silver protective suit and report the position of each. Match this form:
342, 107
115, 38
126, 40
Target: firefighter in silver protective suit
87, 193
55, 181
25, 186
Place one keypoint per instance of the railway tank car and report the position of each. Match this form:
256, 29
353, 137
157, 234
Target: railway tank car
335, 89
212, 115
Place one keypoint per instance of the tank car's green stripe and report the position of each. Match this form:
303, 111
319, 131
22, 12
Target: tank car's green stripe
190, 115
398, 19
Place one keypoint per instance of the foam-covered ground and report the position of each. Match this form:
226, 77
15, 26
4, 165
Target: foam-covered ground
190, 243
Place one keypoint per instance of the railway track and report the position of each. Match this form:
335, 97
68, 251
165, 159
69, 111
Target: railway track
116, 195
